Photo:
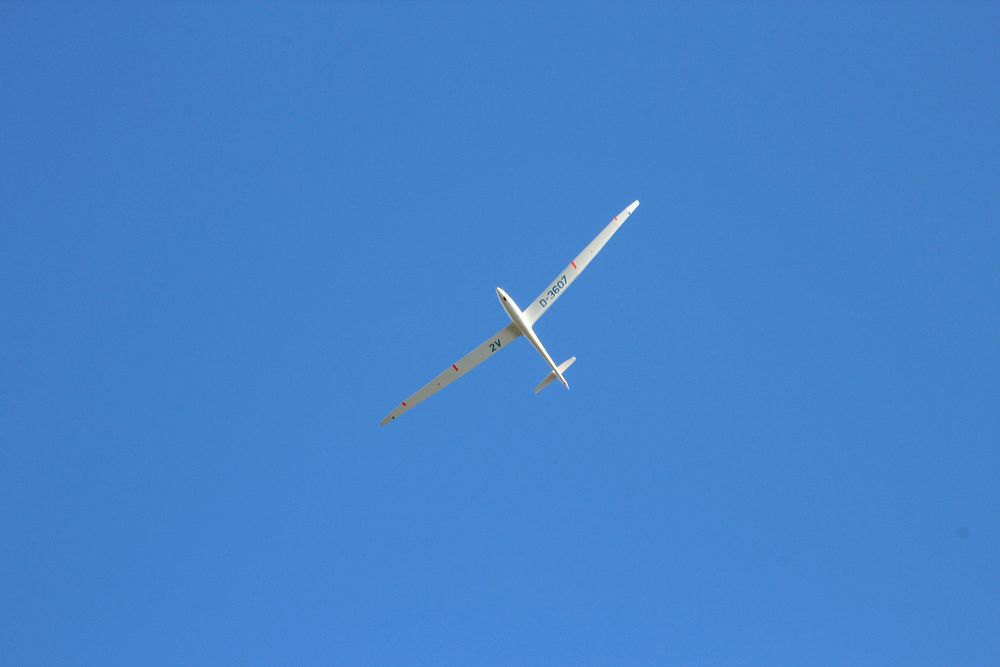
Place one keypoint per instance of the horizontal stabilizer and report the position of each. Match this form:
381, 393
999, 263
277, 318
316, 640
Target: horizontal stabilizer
550, 378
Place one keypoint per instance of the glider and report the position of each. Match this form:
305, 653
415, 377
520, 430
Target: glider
520, 325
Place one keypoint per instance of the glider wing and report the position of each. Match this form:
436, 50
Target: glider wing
487, 349
562, 282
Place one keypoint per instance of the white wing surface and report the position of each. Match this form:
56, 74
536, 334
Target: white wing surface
494, 344
562, 282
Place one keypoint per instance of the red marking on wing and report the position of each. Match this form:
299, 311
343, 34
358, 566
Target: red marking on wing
574, 264
455, 367
404, 404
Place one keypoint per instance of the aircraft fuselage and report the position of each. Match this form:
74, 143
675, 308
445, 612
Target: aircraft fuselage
517, 317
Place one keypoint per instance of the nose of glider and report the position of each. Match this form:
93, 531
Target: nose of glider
502, 295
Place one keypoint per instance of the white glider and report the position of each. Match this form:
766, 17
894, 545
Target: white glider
521, 325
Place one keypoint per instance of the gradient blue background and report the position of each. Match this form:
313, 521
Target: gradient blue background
232, 238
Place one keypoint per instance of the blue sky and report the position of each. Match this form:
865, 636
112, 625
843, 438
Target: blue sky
234, 236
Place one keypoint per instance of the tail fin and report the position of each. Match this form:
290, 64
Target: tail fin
550, 378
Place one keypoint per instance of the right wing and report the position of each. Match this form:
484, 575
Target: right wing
549, 295
495, 343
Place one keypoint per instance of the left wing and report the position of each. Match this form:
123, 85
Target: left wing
562, 282
490, 347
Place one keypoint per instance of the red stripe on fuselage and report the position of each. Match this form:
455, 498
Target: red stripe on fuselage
574, 264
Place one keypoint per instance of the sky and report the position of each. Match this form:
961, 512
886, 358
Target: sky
233, 236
